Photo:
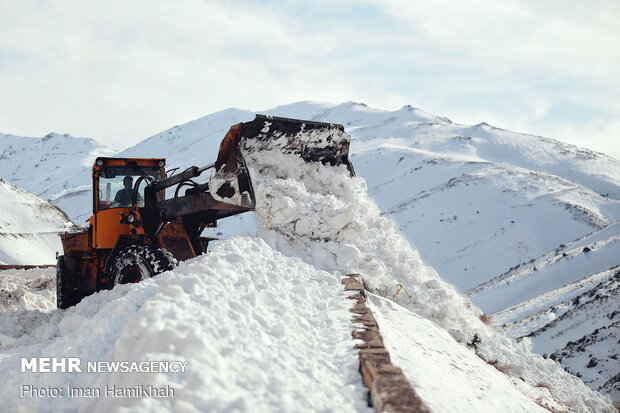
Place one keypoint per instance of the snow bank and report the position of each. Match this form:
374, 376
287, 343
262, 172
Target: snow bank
26, 298
325, 217
27, 290
29, 227
260, 332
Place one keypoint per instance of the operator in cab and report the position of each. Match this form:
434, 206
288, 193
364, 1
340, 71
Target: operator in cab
123, 197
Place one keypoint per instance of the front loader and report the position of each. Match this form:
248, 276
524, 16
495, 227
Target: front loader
137, 231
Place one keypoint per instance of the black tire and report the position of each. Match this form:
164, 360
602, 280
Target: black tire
65, 296
135, 263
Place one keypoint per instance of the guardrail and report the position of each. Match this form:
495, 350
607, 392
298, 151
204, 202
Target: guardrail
24, 267
389, 389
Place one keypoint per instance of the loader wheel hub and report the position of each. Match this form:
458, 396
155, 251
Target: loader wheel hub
131, 274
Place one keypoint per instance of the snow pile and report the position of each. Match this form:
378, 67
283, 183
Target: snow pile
25, 297
259, 331
327, 218
27, 290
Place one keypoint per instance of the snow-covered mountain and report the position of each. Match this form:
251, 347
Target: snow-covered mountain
566, 305
520, 222
55, 167
29, 227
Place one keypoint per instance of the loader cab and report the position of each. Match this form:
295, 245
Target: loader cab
117, 184
119, 176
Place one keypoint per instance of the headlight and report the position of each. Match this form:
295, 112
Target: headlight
131, 219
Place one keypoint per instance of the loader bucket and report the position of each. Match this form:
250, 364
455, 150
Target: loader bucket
327, 143
230, 182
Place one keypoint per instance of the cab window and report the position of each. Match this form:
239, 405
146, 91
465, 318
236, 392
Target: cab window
116, 185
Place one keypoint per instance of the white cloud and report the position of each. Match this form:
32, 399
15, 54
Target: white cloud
121, 71
564, 37
117, 69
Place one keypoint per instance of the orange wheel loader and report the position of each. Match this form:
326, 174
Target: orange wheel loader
135, 232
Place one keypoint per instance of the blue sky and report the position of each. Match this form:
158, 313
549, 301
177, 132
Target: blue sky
121, 71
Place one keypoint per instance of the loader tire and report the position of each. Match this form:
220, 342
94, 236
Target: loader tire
138, 262
65, 296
